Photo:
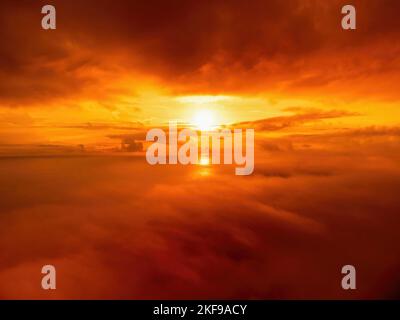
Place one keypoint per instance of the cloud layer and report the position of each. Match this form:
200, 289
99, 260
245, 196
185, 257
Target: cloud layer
266, 46
116, 227
323, 102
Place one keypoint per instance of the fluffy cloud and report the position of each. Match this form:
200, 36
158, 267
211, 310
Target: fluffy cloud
295, 46
116, 227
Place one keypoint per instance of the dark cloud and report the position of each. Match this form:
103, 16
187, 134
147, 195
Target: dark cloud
282, 122
192, 46
131, 145
104, 126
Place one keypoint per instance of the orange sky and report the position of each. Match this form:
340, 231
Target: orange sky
130, 64
324, 103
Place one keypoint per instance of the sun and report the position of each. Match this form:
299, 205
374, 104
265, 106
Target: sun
204, 120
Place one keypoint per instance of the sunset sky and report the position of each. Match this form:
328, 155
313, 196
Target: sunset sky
77, 193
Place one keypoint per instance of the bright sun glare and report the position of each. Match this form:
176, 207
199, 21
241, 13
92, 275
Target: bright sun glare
204, 120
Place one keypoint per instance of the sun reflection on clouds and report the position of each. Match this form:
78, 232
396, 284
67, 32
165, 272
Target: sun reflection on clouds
204, 160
